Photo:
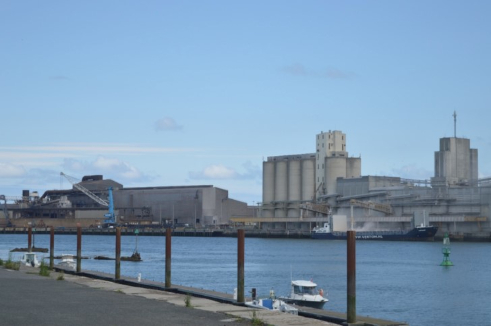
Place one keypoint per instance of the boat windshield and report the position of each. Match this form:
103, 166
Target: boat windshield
304, 290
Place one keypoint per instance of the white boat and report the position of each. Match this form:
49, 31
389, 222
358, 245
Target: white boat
30, 259
271, 303
67, 261
304, 293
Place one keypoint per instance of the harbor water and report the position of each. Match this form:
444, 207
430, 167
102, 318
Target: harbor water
400, 281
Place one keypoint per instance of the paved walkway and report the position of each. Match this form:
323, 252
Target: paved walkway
29, 299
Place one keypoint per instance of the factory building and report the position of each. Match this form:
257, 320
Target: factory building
300, 191
455, 163
194, 206
292, 181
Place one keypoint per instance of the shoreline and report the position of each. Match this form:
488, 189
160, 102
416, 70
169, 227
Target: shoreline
192, 232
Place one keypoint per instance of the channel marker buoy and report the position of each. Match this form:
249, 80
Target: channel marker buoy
446, 251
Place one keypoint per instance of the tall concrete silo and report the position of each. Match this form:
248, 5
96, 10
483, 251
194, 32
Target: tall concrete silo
335, 168
294, 181
281, 181
308, 179
281, 186
353, 167
268, 187
294, 187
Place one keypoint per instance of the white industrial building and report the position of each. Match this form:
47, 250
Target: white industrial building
293, 180
301, 190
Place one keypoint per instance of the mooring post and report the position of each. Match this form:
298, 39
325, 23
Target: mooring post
79, 248
168, 252
117, 274
351, 317
51, 247
29, 239
240, 265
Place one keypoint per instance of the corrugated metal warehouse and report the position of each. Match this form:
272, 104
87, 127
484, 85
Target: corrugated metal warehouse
196, 206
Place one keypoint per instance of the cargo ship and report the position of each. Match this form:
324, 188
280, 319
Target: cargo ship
419, 233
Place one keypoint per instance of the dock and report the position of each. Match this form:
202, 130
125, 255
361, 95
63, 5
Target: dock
227, 303
46, 301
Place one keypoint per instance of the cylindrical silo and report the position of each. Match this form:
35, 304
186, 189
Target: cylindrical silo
335, 168
353, 167
281, 181
268, 188
279, 212
293, 212
268, 182
294, 181
308, 179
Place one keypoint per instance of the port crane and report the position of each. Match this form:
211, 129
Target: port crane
5, 211
110, 216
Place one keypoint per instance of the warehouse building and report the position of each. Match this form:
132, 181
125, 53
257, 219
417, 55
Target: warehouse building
194, 206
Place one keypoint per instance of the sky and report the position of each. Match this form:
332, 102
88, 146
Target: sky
179, 93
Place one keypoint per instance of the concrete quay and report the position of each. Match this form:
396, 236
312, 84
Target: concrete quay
30, 299
96, 298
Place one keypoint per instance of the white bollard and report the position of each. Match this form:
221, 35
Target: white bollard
139, 277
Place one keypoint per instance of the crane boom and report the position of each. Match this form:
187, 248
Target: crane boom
386, 208
77, 185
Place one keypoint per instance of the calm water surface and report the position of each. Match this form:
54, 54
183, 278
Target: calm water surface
395, 280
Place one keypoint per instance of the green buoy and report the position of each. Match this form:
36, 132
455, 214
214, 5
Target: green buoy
446, 251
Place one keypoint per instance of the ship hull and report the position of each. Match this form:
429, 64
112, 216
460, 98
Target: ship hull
416, 234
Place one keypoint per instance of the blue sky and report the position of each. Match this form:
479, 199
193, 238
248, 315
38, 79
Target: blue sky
167, 93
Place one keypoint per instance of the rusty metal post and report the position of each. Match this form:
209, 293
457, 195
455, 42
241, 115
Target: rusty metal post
79, 249
168, 252
240, 266
351, 316
117, 274
51, 247
29, 239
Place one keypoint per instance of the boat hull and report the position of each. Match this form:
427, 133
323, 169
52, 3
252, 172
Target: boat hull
304, 303
417, 234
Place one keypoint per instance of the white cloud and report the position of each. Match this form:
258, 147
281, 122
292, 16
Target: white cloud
11, 170
167, 124
220, 171
105, 163
78, 149
73, 165
112, 167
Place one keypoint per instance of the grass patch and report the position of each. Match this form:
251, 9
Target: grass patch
187, 301
44, 269
61, 277
1, 262
257, 321
13, 265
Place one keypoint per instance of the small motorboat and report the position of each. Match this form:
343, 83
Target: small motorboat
30, 259
304, 293
67, 261
271, 303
